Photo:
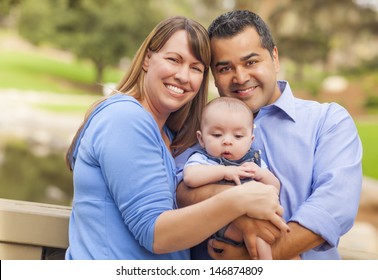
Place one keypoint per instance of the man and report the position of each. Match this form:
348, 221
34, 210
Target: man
314, 149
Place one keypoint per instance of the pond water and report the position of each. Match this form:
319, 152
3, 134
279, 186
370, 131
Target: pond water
27, 175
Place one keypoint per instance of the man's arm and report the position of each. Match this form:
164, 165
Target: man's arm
293, 243
331, 208
289, 246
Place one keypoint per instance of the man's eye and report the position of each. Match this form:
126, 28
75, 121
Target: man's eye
224, 69
251, 62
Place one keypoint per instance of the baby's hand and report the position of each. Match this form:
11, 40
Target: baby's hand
234, 173
253, 170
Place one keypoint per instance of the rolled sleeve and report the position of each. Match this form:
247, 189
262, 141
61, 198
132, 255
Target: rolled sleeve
319, 222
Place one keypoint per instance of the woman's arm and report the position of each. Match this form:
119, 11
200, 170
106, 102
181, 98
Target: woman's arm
195, 223
186, 196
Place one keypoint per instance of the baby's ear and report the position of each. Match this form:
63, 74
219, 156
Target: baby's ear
199, 138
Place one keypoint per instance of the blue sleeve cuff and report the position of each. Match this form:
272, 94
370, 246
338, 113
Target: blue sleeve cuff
319, 222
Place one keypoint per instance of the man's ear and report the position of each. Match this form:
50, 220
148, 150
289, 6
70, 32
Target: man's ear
199, 138
216, 84
276, 60
146, 60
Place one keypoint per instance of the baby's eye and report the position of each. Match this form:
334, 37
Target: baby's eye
216, 135
239, 136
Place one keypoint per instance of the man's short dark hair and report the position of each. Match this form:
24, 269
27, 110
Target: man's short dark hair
232, 23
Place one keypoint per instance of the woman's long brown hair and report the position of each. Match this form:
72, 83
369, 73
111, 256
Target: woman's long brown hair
185, 121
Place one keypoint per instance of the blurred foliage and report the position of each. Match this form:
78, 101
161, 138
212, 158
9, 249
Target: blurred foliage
26, 176
372, 102
6, 6
308, 31
366, 75
103, 31
98, 30
365, 67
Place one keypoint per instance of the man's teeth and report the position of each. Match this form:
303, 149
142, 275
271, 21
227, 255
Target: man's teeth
175, 89
246, 90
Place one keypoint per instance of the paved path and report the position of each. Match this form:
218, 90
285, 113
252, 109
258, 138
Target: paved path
22, 116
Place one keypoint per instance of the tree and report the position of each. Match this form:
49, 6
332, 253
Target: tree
102, 31
6, 6
308, 31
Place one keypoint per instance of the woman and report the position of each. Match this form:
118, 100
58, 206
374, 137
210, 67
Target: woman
124, 173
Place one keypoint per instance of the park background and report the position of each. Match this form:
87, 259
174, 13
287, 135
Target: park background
58, 56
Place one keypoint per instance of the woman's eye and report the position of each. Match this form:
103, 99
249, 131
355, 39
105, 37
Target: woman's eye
198, 69
172, 59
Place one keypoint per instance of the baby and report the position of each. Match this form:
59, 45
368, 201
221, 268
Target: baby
226, 135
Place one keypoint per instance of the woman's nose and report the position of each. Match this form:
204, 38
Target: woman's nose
182, 74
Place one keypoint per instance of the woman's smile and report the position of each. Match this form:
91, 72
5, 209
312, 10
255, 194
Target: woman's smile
175, 89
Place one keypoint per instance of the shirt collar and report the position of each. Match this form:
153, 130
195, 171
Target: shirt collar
286, 102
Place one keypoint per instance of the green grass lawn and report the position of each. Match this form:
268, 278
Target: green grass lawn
62, 108
35, 71
369, 136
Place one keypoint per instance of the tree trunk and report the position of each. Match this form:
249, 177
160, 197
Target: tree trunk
100, 67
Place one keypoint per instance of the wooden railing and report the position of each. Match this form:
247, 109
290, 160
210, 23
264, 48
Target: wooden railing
31, 230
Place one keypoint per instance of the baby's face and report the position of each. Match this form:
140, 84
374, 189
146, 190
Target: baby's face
227, 134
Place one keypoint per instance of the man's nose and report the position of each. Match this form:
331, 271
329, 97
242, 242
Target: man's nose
241, 76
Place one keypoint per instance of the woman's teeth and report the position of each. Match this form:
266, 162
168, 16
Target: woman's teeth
175, 89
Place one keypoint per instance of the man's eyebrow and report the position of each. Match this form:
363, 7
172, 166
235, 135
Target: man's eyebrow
222, 63
244, 58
